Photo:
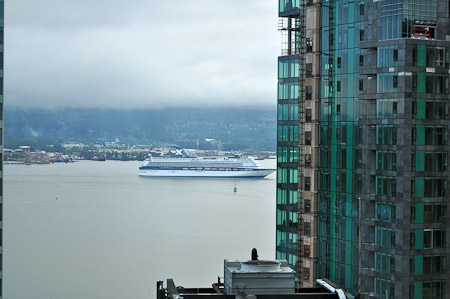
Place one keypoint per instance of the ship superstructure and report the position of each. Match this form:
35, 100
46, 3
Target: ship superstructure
203, 167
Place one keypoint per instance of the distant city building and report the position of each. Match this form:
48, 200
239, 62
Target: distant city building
73, 144
362, 146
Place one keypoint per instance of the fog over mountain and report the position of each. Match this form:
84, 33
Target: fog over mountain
140, 53
231, 128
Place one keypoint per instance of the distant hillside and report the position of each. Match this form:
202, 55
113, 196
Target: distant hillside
232, 128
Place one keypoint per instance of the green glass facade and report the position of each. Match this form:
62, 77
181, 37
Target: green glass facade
287, 157
342, 23
377, 219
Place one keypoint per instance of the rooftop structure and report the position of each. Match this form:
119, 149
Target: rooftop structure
259, 277
253, 279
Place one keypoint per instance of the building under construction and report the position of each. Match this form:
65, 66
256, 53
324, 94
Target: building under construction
362, 145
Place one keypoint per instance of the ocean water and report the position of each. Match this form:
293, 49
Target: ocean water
98, 230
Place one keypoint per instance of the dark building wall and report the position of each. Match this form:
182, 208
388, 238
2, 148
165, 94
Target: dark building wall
404, 83
382, 146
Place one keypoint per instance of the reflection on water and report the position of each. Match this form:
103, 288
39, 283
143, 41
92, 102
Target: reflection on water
98, 230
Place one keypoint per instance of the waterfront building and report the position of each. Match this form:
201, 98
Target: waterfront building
362, 146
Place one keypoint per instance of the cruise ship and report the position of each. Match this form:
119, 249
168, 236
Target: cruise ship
226, 167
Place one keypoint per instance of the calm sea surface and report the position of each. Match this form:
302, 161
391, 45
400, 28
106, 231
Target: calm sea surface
113, 234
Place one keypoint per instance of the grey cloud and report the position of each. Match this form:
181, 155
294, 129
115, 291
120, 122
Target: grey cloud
140, 53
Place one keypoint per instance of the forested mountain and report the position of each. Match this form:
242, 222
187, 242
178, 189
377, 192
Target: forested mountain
231, 128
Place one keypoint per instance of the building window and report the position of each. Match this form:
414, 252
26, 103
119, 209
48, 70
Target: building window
341, 182
387, 56
307, 229
435, 187
288, 69
307, 206
429, 135
308, 137
384, 263
286, 197
309, 92
430, 109
361, 84
361, 35
287, 112
437, 56
357, 184
361, 60
384, 237
429, 186
307, 183
436, 83
309, 69
386, 160
306, 251
287, 175
324, 180
433, 264
386, 108
287, 5
387, 134
288, 91
339, 62
434, 161
286, 218
307, 160
384, 288
430, 56
286, 239
287, 133
357, 159
386, 186
306, 273
429, 213
430, 83
435, 213
387, 82
433, 238
338, 86
436, 109
384, 211
308, 113
342, 158
435, 135
309, 44
287, 154
433, 289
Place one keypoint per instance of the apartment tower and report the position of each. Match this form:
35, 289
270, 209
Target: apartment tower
362, 145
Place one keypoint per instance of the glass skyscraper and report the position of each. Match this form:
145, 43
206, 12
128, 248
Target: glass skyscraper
362, 185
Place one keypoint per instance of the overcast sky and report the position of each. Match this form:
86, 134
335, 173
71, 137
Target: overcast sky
140, 53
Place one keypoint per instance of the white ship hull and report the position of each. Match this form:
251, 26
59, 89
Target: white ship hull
256, 173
